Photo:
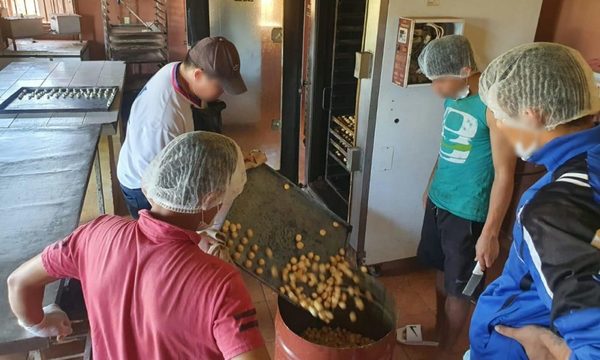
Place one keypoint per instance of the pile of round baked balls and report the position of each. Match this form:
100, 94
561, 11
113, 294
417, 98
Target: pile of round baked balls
338, 337
320, 286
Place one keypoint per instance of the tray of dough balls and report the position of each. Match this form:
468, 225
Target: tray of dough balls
291, 242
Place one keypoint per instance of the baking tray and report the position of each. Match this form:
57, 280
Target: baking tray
17, 103
276, 215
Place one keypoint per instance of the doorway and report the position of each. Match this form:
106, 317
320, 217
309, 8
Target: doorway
255, 27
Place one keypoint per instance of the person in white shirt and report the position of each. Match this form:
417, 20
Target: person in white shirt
163, 109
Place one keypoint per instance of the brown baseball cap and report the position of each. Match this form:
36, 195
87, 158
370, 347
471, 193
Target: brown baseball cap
218, 57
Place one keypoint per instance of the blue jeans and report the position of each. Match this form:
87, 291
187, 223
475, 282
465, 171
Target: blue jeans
135, 200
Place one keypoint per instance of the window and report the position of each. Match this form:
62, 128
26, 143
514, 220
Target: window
41, 8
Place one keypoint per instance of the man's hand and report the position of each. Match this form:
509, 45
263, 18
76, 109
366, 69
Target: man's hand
539, 343
55, 323
254, 159
425, 197
487, 249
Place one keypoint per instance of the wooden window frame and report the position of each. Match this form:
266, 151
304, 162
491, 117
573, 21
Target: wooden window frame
43, 8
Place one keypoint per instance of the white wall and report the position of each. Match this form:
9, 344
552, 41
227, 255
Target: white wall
404, 153
238, 22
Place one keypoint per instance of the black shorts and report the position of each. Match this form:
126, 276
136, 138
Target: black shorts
448, 244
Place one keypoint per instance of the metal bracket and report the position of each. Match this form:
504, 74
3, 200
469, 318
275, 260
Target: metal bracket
362, 66
353, 159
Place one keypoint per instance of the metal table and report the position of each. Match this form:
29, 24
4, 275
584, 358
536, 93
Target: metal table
46, 50
62, 73
43, 179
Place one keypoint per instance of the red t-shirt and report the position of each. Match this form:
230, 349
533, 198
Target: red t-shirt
151, 293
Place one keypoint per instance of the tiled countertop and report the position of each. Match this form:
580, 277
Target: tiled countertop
45, 74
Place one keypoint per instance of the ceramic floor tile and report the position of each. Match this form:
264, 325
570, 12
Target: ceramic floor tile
420, 277
256, 136
408, 301
425, 318
399, 353
406, 288
421, 352
260, 135
395, 282
425, 287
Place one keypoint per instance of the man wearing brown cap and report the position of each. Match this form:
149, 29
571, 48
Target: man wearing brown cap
163, 109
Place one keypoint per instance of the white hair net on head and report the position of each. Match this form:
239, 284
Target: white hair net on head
448, 56
550, 79
196, 171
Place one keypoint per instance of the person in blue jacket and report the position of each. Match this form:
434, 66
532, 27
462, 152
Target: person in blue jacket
546, 303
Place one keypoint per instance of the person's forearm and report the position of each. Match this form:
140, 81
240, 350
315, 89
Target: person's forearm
26, 294
500, 197
26, 301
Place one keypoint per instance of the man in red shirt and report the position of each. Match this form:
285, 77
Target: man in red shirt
150, 292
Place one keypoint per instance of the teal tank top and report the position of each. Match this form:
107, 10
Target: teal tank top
463, 178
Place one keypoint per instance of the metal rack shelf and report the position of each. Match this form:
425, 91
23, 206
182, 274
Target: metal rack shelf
142, 42
337, 189
335, 157
339, 148
341, 123
349, 23
343, 141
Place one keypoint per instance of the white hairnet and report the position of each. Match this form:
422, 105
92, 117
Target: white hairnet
548, 78
196, 171
448, 56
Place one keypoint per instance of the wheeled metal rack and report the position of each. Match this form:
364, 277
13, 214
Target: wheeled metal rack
141, 42
348, 33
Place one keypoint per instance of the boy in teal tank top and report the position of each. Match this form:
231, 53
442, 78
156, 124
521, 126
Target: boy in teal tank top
469, 191
463, 178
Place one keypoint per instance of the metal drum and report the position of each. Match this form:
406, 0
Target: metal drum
377, 322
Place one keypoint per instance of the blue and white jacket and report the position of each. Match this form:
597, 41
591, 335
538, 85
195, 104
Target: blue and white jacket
552, 275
